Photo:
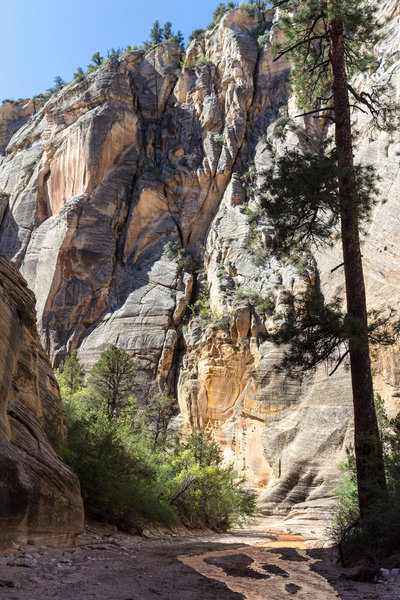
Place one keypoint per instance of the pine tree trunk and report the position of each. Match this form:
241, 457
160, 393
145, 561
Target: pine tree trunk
369, 460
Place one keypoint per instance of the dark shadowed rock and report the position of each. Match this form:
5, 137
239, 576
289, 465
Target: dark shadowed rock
39, 495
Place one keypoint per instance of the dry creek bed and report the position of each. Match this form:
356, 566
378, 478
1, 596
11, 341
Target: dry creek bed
256, 563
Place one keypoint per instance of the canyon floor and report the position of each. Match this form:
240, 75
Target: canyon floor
265, 562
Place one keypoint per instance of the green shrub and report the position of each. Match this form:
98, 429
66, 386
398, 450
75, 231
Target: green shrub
197, 34
377, 537
202, 61
114, 467
281, 126
262, 33
171, 249
79, 75
263, 303
202, 310
133, 472
72, 377
184, 258
256, 5
201, 307
222, 271
204, 492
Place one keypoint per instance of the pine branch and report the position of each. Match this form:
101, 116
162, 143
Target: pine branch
301, 43
339, 362
316, 110
367, 100
337, 267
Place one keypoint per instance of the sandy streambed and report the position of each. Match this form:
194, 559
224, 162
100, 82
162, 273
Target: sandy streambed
256, 563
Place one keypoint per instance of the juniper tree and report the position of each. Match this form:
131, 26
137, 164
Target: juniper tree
307, 196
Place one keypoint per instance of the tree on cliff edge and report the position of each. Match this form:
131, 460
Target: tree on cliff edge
328, 41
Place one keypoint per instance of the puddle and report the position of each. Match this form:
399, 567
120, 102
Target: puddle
284, 540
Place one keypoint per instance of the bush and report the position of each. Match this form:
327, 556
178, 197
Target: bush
197, 34
256, 5
281, 126
378, 536
262, 33
184, 258
263, 303
218, 137
204, 492
202, 61
114, 467
72, 376
132, 472
79, 75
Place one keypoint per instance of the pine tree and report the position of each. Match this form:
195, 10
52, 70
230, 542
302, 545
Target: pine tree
113, 380
79, 75
219, 12
156, 33
114, 52
259, 5
97, 59
72, 376
58, 82
155, 416
178, 39
197, 34
167, 30
327, 42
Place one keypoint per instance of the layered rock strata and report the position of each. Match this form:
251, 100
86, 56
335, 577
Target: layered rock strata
124, 204
40, 499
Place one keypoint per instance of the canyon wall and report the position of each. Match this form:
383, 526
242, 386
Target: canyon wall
122, 203
40, 499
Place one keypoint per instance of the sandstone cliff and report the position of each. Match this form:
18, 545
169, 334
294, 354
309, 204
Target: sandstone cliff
39, 496
125, 201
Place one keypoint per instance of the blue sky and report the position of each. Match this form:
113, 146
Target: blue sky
45, 38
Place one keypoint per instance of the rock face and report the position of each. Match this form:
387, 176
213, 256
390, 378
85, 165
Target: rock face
39, 496
123, 203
